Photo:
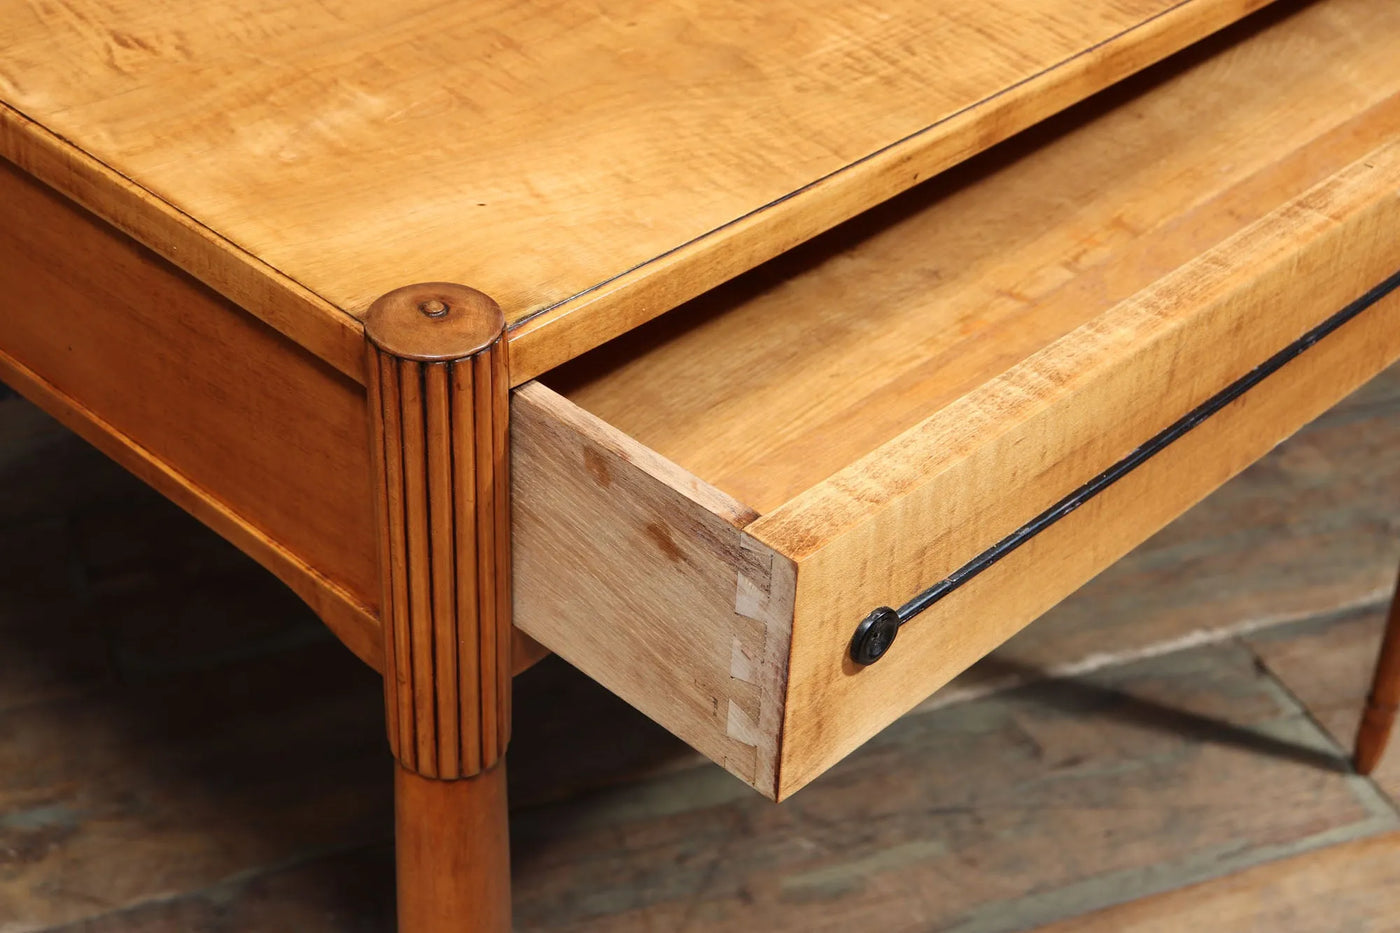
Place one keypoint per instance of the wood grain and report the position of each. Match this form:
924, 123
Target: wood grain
270, 296
1327, 663
438, 436
1378, 717
906, 516
452, 842
588, 166
1015, 810
613, 828
1313, 529
234, 423
1344, 887
237, 424
1186, 272
776, 382
636, 573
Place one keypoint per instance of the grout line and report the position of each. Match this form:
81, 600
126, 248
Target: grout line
1375, 792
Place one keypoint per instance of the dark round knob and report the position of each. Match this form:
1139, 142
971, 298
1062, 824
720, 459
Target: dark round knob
874, 636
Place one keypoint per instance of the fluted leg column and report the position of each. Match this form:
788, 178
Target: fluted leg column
438, 399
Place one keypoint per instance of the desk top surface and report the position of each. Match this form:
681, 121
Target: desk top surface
589, 165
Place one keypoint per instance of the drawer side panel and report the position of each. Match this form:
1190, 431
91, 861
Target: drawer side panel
639, 575
234, 422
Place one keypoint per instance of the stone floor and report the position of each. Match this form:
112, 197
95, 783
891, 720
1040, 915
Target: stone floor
183, 748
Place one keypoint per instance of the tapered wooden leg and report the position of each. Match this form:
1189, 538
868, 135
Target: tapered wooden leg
453, 851
1379, 715
438, 409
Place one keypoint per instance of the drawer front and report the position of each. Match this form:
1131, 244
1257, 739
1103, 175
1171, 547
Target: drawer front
925, 507
952, 414
735, 630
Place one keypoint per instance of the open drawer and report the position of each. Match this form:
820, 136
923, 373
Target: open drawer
955, 410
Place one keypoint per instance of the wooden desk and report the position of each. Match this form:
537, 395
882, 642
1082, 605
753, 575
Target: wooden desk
936, 419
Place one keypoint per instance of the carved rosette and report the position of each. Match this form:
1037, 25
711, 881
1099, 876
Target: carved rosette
438, 404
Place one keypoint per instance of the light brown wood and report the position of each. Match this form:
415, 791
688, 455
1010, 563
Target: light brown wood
637, 573
238, 425
589, 167
1215, 268
438, 419
597, 167
453, 848
289, 307
1378, 716
907, 515
772, 384
1341, 887
439, 387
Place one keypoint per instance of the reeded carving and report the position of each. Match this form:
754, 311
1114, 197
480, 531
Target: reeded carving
438, 399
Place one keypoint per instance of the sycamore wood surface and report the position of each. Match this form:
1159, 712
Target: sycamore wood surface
587, 165
925, 382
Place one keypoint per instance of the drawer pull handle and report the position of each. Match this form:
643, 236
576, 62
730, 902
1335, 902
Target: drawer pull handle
875, 635
876, 632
